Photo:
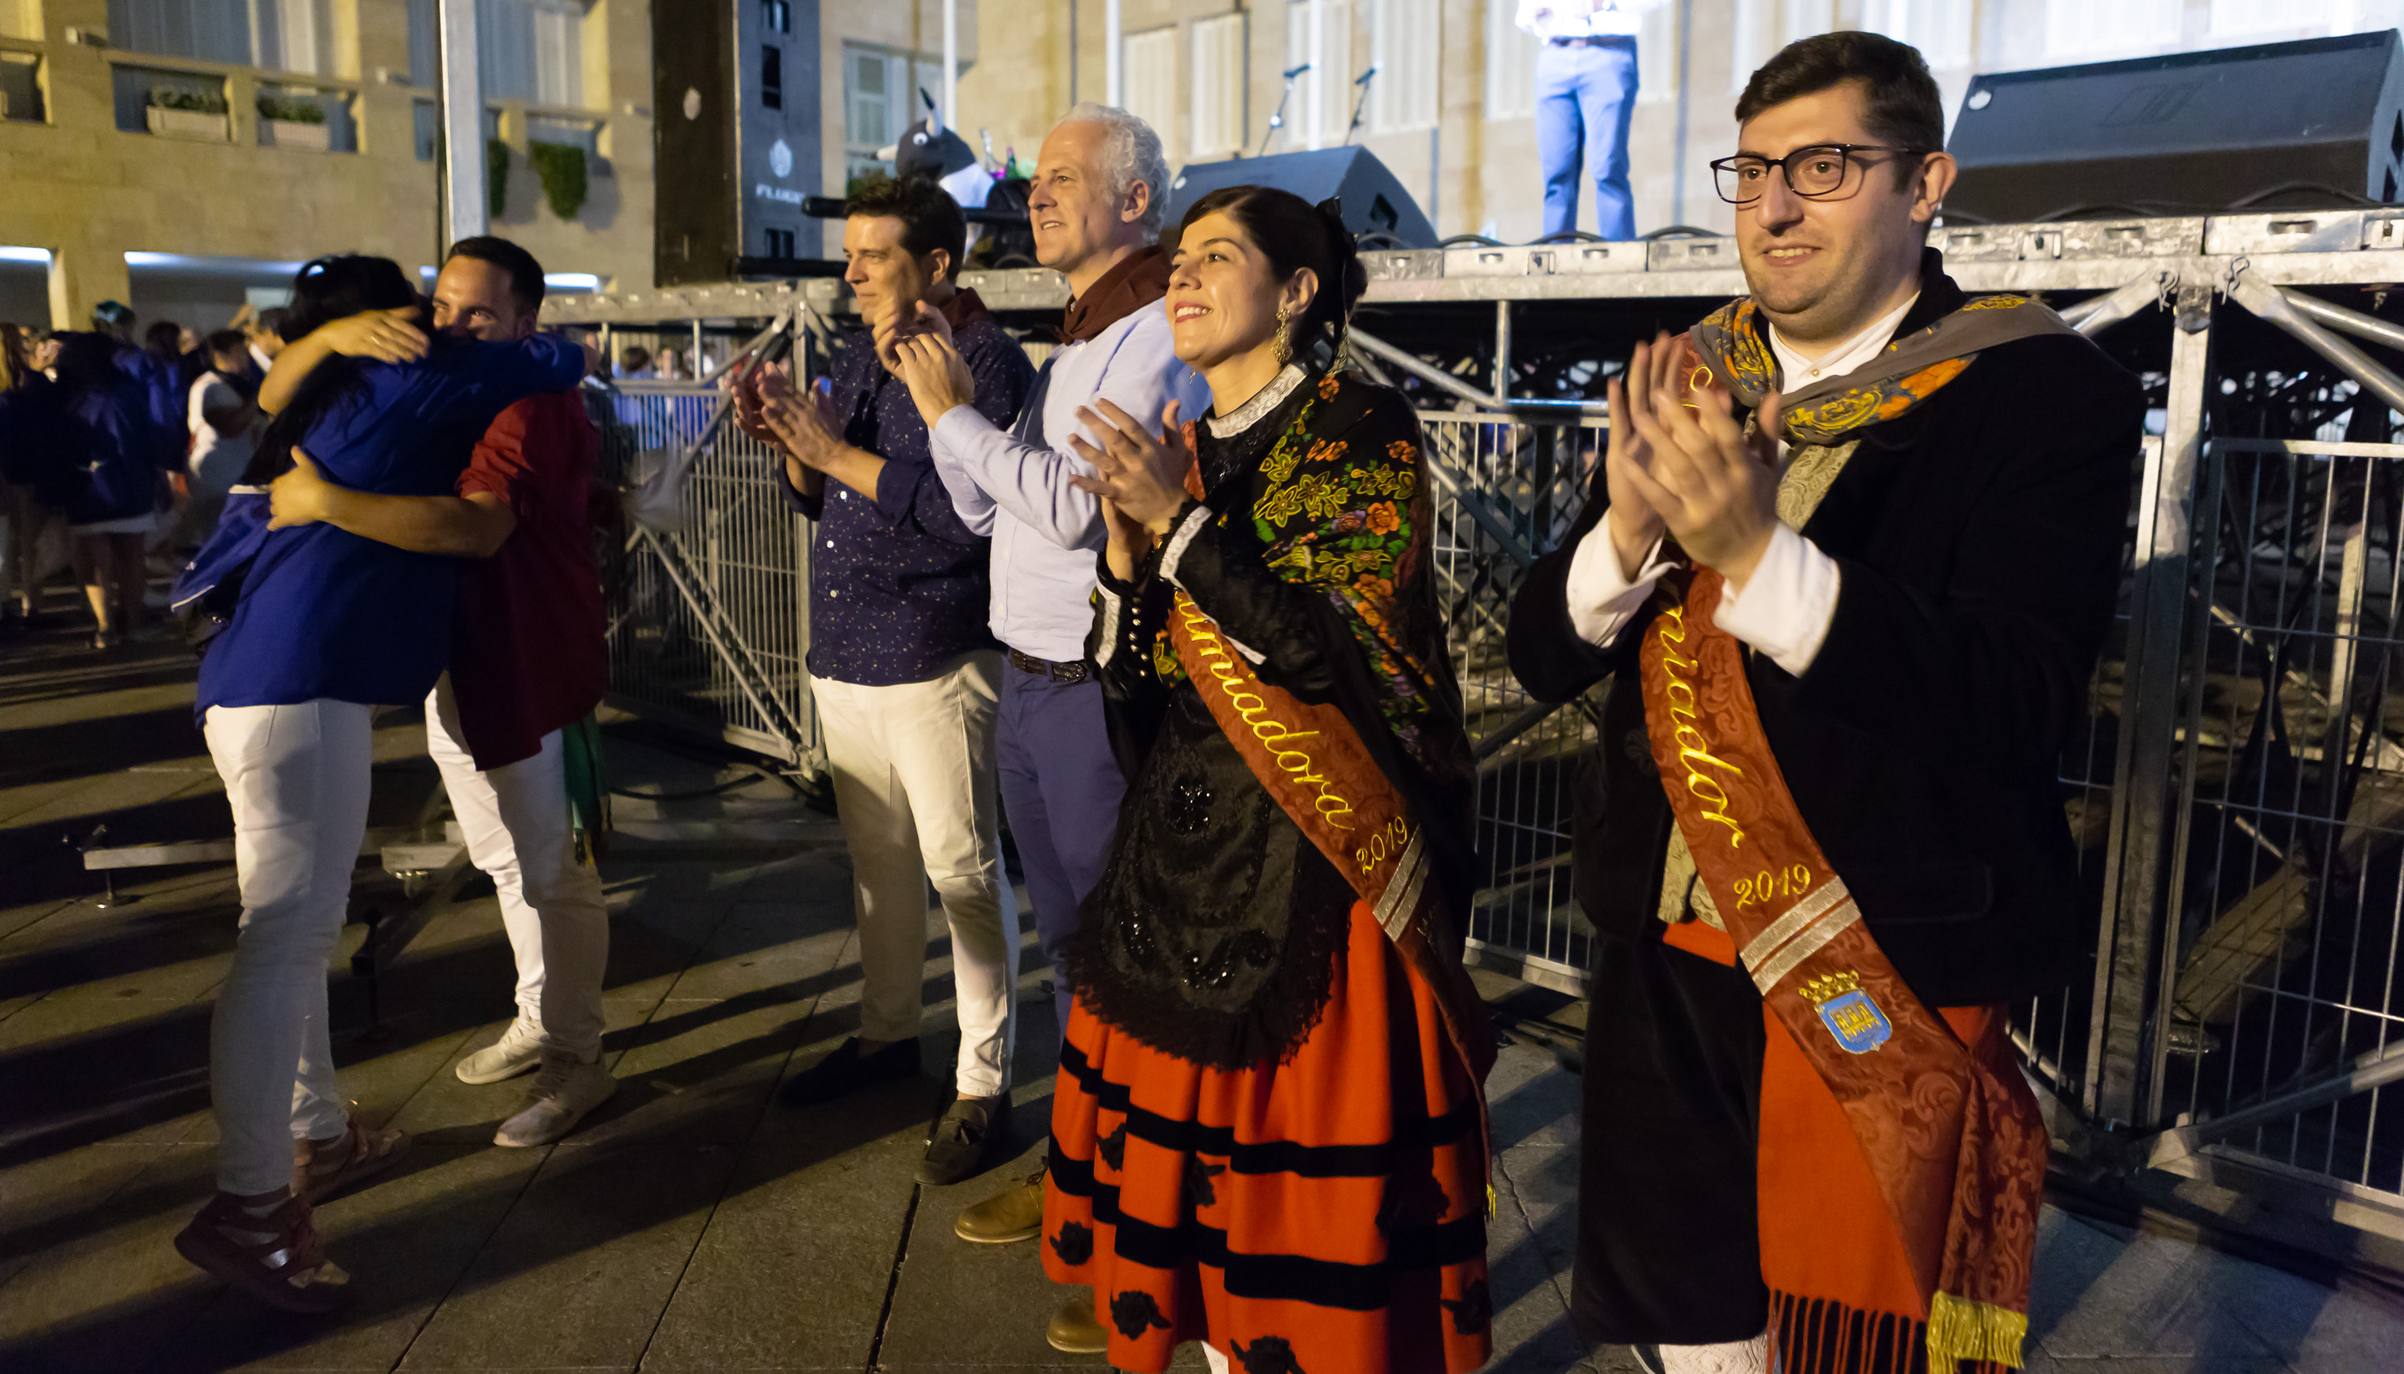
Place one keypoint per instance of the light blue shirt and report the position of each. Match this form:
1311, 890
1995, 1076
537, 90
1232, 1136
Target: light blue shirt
1046, 532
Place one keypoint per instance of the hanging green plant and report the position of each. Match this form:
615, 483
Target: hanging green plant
561, 167
291, 109
186, 98
496, 177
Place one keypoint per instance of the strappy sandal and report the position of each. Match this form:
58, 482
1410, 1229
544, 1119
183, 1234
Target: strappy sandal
275, 1258
320, 1170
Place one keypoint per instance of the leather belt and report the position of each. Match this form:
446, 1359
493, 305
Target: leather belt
1044, 667
1591, 40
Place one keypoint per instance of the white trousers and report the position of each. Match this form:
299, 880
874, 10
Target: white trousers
297, 777
1731, 1357
915, 788
516, 823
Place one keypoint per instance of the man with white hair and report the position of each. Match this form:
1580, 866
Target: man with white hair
1095, 206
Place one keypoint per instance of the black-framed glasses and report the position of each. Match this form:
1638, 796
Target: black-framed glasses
1814, 173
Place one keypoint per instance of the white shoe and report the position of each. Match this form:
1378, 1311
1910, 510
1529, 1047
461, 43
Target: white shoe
566, 1089
519, 1050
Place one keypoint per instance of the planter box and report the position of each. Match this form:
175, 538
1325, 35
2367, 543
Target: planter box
293, 133
192, 124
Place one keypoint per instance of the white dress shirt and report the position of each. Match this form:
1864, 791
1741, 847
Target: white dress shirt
1785, 608
1551, 19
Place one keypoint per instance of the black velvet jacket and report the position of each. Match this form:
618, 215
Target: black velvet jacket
1214, 930
1979, 539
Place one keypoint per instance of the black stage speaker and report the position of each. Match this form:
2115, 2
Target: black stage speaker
2277, 126
1375, 205
734, 155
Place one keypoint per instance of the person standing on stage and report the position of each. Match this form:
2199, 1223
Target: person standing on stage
529, 661
1585, 96
1095, 206
1849, 563
906, 678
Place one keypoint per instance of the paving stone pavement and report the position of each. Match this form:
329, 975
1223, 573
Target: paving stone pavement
694, 1224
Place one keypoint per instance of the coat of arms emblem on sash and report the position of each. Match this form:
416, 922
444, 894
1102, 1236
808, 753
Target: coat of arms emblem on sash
1849, 1012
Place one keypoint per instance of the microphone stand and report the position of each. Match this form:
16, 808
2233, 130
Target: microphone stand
1360, 103
1277, 120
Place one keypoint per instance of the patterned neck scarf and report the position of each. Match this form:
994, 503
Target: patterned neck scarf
1731, 344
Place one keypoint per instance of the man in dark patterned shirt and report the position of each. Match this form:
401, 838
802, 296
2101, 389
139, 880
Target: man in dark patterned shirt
905, 672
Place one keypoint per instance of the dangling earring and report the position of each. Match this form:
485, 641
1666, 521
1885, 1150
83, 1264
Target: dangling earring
1285, 336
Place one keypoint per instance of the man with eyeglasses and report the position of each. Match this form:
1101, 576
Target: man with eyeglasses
1848, 566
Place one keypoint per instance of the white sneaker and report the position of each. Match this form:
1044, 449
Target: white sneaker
566, 1089
519, 1050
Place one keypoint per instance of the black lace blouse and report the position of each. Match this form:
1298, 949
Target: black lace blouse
1215, 929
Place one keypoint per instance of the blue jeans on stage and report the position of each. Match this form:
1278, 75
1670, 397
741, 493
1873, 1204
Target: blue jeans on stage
1585, 94
1061, 790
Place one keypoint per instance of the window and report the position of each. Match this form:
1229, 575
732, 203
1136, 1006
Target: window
772, 76
1149, 76
1330, 78
1657, 55
2078, 30
2240, 18
425, 44
1765, 26
777, 17
532, 51
21, 87
1940, 29
1510, 65
780, 244
279, 35
1217, 82
880, 98
1404, 39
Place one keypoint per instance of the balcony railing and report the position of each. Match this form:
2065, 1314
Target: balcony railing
214, 102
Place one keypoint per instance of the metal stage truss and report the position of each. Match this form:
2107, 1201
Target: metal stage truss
2237, 792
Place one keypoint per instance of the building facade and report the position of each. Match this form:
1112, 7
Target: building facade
181, 155
1451, 106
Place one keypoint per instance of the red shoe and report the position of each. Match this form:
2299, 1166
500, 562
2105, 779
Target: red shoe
320, 1169
275, 1258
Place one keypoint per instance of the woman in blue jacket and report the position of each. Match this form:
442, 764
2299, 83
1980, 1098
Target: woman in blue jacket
325, 627
113, 481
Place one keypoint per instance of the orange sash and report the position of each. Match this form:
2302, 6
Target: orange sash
1953, 1138
1311, 760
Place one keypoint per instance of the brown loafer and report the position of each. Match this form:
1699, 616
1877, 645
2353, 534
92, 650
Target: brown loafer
1073, 1330
1009, 1216
323, 1168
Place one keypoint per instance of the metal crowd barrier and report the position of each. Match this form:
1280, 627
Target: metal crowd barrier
709, 613
2236, 792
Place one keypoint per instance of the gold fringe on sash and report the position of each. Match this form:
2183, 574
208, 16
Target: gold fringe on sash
1962, 1329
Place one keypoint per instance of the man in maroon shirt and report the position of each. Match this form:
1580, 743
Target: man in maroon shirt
528, 660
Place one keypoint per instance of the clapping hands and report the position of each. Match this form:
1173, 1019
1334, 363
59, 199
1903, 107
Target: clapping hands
1678, 460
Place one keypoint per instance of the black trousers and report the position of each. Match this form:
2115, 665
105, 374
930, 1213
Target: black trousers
1668, 1230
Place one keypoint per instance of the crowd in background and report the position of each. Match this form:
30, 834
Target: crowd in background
116, 453
119, 445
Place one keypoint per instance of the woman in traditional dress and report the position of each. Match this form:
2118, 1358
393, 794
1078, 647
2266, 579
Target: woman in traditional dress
1269, 1128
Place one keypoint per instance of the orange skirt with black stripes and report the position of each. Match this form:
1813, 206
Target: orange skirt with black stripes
1325, 1215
